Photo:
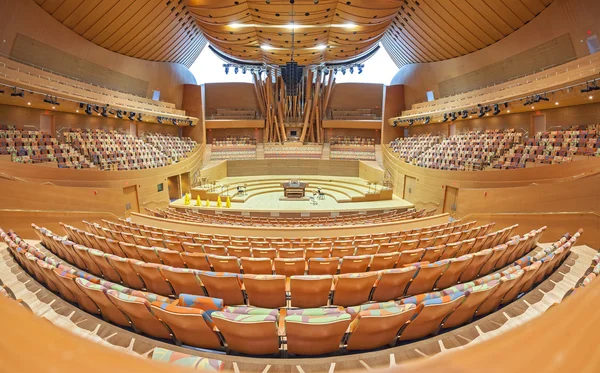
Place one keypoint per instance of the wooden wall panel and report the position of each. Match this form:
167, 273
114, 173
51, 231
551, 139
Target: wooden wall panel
573, 17
393, 105
193, 104
357, 96
353, 132
27, 18
221, 133
292, 167
230, 96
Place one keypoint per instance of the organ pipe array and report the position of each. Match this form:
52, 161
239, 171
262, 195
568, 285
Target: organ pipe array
305, 111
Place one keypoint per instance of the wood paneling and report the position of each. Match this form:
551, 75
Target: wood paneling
352, 124
393, 105
292, 167
357, 96
428, 30
230, 96
348, 29
154, 30
232, 123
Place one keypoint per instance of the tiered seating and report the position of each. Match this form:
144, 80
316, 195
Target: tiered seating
234, 114
111, 150
176, 148
200, 217
345, 147
590, 275
5, 291
204, 322
38, 147
469, 151
354, 114
309, 151
410, 148
234, 148
552, 148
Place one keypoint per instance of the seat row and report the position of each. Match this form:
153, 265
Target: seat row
205, 322
128, 231
344, 289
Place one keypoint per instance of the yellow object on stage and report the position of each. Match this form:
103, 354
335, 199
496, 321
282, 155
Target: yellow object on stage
219, 203
186, 200
228, 203
207, 204
198, 201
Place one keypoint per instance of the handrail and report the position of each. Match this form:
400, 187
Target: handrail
61, 212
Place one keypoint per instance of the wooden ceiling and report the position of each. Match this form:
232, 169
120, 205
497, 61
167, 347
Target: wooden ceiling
155, 30
325, 30
435, 30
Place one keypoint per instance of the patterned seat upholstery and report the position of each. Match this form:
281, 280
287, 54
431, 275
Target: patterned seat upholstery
377, 328
429, 315
507, 282
315, 335
137, 310
205, 304
355, 310
190, 326
310, 291
125, 271
248, 333
476, 295
67, 279
177, 358
97, 293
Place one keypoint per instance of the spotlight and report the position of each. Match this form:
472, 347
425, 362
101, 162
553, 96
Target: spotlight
104, 113
120, 114
17, 94
528, 102
96, 108
131, 115
81, 104
465, 114
55, 100
411, 122
506, 105
427, 120
47, 99
360, 70
174, 121
496, 109
395, 123
226, 70
343, 71
445, 117
191, 123
481, 112
543, 98
244, 70
453, 116
88, 109
352, 70
139, 118
159, 120
236, 70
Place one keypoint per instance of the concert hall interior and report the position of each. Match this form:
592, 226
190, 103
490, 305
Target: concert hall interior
299, 186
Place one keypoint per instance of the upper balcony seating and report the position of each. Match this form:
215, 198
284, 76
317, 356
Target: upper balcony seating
112, 150
234, 148
309, 151
345, 147
38, 147
351, 219
205, 322
410, 148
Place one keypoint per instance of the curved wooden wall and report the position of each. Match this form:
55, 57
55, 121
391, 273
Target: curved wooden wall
563, 339
573, 17
27, 18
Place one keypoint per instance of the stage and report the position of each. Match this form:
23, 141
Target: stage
263, 196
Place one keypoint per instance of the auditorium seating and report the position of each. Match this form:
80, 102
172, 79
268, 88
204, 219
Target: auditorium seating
38, 147
355, 114
293, 150
345, 147
176, 148
228, 219
233, 148
204, 322
409, 148
234, 114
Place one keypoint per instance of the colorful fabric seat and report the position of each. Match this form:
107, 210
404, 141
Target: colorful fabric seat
429, 315
427, 277
315, 335
355, 310
245, 310
137, 310
205, 304
194, 362
379, 327
475, 296
493, 301
125, 271
247, 333
67, 279
97, 293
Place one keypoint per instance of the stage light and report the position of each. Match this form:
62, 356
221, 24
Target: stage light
174, 121
445, 117
343, 71
46, 99
427, 120
360, 70
131, 115
481, 112
591, 97
191, 123
496, 109
17, 94
120, 114
244, 70
104, 113
159, 120
395, 123
226, 70
465, 114
81, 105
453, 116
88, 109
352, 70
139, 118
506, 105
55, 100
411, 122
236, 69
544, 97
96, 108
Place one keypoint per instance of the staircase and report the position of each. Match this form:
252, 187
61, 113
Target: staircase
326, 151
260, 151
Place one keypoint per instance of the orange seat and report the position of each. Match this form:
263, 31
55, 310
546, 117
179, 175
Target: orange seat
323, 266
170, 257
257, 266
224, 263
239, 251
248, 334
426, 277
196, 261
429, 315
138, 311
226, 286
310, 291
315, 335
433, 254
316, 252
126, 272
369, 249
353, 289
290, 253
264, 253
408, 257
215, 250
148, 254
408, 245
392, 283
390, 247
108, 272
474, 267
68, 281
130, 251
377, 328
183, 280
265, 291
490, 265
338, 252
150, 273
97, 293
493, 301
455, 268
384, 261
355, 264
192, 247
289, 267
465, 312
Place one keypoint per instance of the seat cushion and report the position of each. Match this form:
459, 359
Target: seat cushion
204, 303
244, 310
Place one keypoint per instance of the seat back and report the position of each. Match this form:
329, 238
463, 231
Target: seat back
323, 266
248, 334
429, 315
183, 280
479, 259
368, 249
239, 251
224, 263
409, 257
310, 291
264, 252
490, 264
384, 261
97, 293
257, 266
68, 281
226, 286
126, 272
290, 253
377, 328
289, 267
492, 302
466, 311
529, 272
453, 272
408, 245
215, 249
266, 291
355, 264
388, 247
428, 274
192, 247
316, 252
170, 257
152, 277
315, 335
148, 254
341, 251
190, 326
196, 261
392, 283
353, 288
433, 254
138, 311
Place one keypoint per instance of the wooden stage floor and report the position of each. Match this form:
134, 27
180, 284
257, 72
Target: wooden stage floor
263, 195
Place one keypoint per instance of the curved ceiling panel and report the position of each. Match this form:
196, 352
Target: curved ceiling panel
319, 30
435, 30
155, 30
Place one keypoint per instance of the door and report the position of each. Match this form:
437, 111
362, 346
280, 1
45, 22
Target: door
174, 188
131, 199
450, 200
409, 187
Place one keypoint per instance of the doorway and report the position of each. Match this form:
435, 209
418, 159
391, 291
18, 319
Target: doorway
450, 200
174, 187
131, 199
409, 187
